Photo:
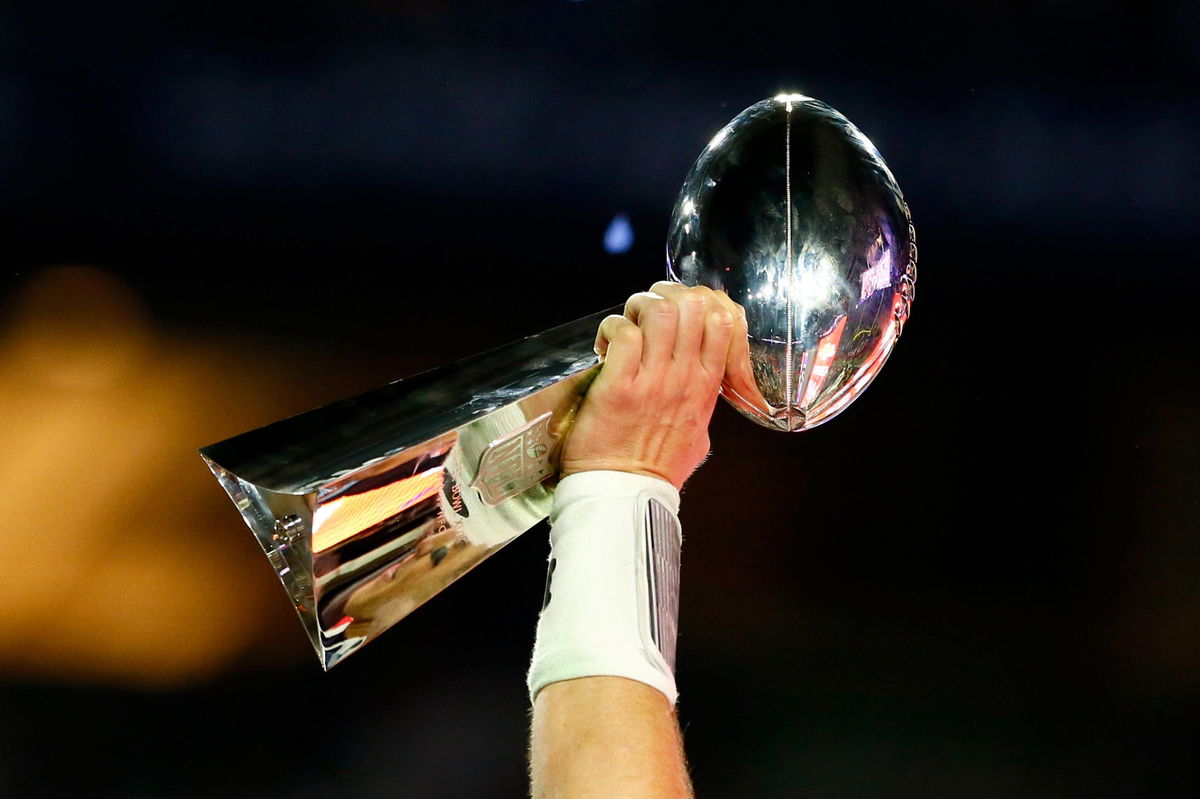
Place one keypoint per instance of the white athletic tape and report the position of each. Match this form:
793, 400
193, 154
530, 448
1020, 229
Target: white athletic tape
612, 587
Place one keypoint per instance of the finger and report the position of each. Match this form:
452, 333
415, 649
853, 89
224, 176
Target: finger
728, 303
737, 362
619, 345
670, 289
693, 304
649, 308
658, 319
667, 288
719, 328
637, 304
739, 371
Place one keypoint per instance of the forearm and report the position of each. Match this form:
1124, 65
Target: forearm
603, 689
602, 674
606, 737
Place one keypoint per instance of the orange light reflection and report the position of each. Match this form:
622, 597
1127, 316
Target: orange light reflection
350, 514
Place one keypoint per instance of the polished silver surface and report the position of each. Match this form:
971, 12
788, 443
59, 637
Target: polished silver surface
368, 507
792, 211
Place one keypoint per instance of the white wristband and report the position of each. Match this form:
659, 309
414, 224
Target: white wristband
612, 592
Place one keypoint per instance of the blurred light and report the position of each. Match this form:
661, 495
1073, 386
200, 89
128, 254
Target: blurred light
77, 328
618, 238
104, 510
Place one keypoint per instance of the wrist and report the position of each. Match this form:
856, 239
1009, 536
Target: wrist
599, 485
620, 465
612, 592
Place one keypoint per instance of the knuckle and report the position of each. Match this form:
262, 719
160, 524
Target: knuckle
664, 308
622, 392
724, 319
639, 298
699, 298
625, 334
727, 301
607, 327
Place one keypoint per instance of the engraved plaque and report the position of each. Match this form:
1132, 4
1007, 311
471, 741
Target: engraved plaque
516, 462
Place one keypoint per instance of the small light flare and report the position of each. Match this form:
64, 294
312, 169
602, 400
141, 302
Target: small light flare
791, 97
618, 237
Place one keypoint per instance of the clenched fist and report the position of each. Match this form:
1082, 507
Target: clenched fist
648, 410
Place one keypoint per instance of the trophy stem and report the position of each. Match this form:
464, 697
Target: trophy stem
368, 507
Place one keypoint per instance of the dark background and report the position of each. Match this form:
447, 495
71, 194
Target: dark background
981, 580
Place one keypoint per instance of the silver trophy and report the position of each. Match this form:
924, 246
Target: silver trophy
368, 507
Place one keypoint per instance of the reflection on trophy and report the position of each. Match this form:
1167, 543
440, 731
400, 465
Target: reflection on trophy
368, 507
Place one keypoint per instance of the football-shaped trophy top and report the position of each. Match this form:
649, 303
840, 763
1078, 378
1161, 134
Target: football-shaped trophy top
792, 211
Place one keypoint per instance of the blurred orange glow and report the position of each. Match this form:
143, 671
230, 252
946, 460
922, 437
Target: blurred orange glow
123, 561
